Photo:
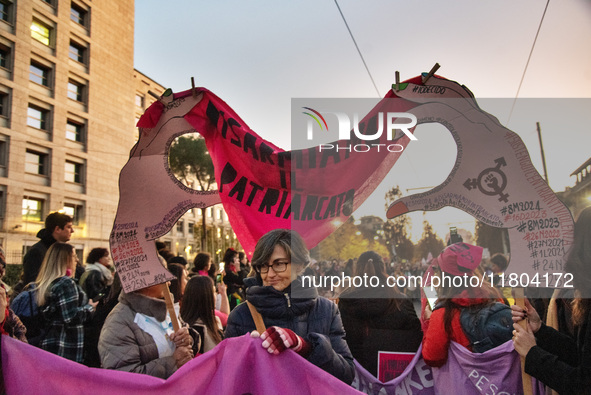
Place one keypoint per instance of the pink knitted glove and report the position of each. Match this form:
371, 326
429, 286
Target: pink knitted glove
276, 340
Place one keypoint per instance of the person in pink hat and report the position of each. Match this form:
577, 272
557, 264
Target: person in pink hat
455, 266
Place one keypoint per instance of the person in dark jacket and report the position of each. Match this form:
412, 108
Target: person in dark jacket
377, 318
58, 227
98, 278
554, 358
233, 277
309, 324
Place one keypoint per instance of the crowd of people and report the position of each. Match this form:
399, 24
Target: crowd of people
79, 312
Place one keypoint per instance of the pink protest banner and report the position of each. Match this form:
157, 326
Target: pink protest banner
496, 371
256, 180
236, 366
263, 187
416, 379
494, 180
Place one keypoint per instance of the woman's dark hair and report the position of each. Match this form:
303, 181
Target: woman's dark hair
229, 255
579, 264
201, 261
289, 240
213, 269
95, 254
370, 263
178, 259
500, 260
175, 285
199, 302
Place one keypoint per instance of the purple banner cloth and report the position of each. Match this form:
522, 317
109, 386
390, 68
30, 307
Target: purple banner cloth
236, 366
417, 378
496, 371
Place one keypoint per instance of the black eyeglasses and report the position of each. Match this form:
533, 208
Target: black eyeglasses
278, 267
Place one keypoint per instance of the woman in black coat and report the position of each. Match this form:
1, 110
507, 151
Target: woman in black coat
377, 318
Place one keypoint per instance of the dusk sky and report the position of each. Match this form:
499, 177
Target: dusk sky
258, 55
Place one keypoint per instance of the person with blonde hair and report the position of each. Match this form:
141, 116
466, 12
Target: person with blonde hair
65, 306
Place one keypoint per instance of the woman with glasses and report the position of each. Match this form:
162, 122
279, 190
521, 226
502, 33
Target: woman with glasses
306, 323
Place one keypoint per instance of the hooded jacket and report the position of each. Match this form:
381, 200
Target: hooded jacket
34, 257
314, 318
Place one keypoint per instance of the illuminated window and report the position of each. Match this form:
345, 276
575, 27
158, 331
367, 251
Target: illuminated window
41, 32
76, 211
32, 209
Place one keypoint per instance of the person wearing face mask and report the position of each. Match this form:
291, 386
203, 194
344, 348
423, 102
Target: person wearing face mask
307, 323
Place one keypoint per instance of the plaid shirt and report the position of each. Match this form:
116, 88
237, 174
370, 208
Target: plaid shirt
66, 311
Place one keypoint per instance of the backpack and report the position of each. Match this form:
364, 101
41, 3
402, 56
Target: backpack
487, 326
25, 307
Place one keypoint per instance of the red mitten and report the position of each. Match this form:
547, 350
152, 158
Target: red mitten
276, 340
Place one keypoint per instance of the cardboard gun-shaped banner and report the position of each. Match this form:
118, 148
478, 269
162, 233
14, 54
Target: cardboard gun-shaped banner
256, 181
494, 180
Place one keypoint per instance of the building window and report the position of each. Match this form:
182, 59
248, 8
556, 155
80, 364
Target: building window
39, 73
32, 209
77, 52
3, 154
4, 104
73, 172
139, 101
74, 131
38, 117
41, 32
6, 10
36, 163
79, 15
76, 90
191, 228
179, 226
76, 211
5, 56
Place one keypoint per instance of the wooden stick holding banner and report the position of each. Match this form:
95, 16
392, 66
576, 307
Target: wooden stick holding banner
257, 318
525, 378
170, 306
